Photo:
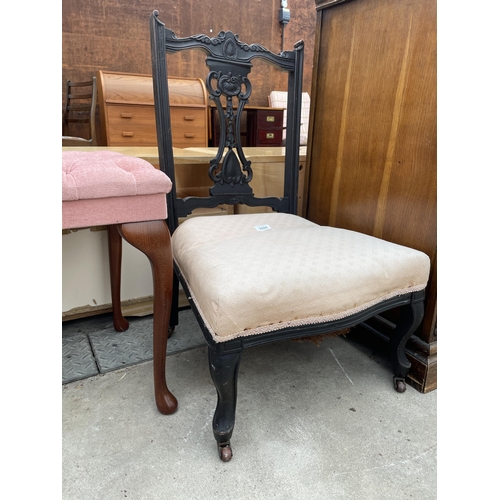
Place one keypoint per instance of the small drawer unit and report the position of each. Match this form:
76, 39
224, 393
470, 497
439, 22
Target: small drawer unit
265, 127
127, 111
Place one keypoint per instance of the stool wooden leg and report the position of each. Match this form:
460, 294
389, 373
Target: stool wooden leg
115, 271
153, 239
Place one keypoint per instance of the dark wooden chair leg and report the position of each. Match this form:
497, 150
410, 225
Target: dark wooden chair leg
411, 316
153, 239
115, 269
224, 372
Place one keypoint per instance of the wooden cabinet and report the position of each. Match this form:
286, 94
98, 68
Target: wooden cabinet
261, 126
372, 137
127, 112
265, 127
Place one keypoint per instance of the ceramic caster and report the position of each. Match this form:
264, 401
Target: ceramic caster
399, 384
225, 451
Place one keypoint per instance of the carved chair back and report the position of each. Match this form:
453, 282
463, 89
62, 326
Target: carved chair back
228, 83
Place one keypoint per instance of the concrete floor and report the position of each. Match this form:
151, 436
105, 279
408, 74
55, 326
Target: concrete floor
312, 422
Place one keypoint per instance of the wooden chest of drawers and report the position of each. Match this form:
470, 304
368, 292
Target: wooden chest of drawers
127, 112
265, 127
262, 127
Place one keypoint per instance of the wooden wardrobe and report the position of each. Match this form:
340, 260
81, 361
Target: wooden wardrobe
371, 156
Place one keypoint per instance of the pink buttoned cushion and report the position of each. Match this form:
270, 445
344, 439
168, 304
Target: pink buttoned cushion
104, 187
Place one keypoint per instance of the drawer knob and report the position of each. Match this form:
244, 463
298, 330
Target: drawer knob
189, 135
189, 118
126, 115
270, 135
128, 134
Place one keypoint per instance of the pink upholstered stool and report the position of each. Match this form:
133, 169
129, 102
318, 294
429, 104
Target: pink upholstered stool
129, 196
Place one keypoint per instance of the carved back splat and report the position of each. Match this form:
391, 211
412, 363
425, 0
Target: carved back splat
229, 63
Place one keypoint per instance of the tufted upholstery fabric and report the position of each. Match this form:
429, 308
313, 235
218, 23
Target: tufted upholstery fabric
245, 281
105, 187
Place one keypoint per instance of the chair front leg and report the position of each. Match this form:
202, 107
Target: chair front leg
224, 372
115, 271
153, 239
411, 316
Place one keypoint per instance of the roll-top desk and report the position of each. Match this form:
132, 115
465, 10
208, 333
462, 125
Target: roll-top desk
126, 105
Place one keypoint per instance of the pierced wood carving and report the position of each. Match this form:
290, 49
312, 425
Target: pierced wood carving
227, 83
229, 62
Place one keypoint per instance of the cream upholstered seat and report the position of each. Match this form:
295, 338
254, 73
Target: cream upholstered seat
263, 277
129, 196
327, 274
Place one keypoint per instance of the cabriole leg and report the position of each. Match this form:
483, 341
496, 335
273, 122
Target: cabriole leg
153, 239
224, 372
411, 316
115, 270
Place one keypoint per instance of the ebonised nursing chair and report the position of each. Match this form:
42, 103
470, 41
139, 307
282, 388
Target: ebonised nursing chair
263, 277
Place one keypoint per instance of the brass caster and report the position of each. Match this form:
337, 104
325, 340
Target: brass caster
225, 451
399, 384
